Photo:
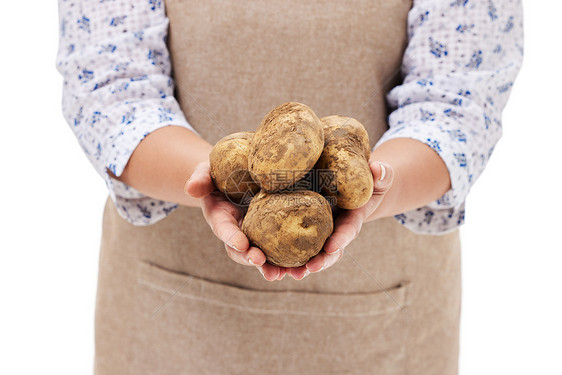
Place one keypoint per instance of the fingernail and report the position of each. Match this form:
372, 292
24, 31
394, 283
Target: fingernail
306, 273
231, 245
383, 172
337, 251
261, 271
250, 261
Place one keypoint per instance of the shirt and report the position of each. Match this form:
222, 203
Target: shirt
459, 66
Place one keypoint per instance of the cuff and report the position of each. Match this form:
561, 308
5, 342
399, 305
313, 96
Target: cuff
447, 212
132, 205
135, 207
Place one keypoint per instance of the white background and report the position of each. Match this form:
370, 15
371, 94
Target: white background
52, 202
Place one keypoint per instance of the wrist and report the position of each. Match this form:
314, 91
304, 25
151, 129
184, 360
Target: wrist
420, 176
162, 163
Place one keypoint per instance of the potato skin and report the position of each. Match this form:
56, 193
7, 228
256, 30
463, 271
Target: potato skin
229, 166
289, 228
285, 146
346, 153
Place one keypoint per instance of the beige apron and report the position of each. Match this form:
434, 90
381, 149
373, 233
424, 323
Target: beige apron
170, 301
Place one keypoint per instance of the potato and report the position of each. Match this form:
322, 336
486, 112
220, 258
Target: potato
289, 228
346, 154
286, 145
229, 167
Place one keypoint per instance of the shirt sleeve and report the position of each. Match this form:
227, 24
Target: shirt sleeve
117, 89
459, 66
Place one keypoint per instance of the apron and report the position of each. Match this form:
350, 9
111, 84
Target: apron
169, 299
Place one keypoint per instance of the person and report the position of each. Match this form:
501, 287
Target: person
384, 294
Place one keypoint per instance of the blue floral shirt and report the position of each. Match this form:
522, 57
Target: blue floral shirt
459, 66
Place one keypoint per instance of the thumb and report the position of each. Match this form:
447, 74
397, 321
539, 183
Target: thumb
383, 176
200, 183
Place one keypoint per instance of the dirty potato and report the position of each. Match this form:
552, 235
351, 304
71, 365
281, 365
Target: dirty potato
229, 167
289, 228
346, 157
285, 146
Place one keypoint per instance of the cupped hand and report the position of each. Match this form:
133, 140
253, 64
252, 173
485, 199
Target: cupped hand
347, 224
224, 217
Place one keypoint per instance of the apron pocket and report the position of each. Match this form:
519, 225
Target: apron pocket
215, 328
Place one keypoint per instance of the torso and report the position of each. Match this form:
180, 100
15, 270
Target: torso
391, 295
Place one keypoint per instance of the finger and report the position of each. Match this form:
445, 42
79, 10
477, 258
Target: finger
252, 257
346, 228
323, 261
255, 257
299, 273
223, 220
269, 271
383, 175
200, 183
282, 273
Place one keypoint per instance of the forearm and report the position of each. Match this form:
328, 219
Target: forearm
420, 176
162, 163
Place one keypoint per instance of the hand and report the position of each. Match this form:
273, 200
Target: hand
348, 224
225, 218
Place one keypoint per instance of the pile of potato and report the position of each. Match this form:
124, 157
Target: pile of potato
287, 219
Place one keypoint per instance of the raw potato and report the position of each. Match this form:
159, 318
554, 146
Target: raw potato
286, 145
289, 228
346, 153
229, 166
